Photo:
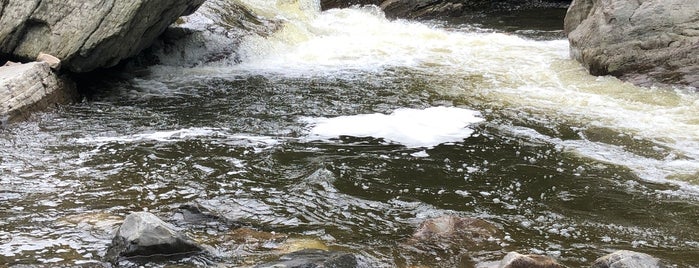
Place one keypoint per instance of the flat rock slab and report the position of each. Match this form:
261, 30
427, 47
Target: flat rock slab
25, 88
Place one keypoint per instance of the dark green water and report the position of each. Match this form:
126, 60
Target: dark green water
234, 140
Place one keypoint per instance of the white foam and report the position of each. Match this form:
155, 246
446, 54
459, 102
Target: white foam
410, 127
258, 143
161, 136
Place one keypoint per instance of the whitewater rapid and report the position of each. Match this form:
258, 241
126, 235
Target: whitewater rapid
654, 131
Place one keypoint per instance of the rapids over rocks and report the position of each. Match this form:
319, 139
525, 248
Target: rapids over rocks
349, 129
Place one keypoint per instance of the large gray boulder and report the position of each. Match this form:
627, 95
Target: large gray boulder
25, 88
645, 41
85, 34
143, 234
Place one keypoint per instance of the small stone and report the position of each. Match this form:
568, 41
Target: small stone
516, 260
627, 259
53, 62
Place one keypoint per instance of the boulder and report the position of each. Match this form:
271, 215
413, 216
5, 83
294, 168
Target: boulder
645, 42
314, 258
627, 259
25, 88
85, 34
516, 260
143, 234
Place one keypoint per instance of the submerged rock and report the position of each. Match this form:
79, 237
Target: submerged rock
450, 241
85, 34
449, 230
314, 258
144, 234
516, 260
644, 42
627, 259
25, 88
198, 216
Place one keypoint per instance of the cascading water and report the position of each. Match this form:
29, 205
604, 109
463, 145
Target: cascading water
349, 129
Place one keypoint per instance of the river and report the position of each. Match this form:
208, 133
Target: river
348, 129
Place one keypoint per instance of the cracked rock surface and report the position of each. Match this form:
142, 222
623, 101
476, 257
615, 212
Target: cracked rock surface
85, 34
645, 42
25, 88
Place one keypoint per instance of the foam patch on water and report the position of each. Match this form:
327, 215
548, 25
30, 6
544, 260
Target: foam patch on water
413, 128
162, 136
258, 142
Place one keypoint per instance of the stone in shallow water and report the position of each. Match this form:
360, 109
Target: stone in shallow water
143, 234
627, 259
516, 260
314, 258
469, 233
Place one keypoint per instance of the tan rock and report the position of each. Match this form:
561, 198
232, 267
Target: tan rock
53, 62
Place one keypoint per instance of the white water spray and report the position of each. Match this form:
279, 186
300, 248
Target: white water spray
503, 70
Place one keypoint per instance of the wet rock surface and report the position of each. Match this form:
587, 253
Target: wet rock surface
144, 235
26, 88
644, 42
627, 259
85, 35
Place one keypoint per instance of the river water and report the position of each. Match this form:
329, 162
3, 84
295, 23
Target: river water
347, 130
